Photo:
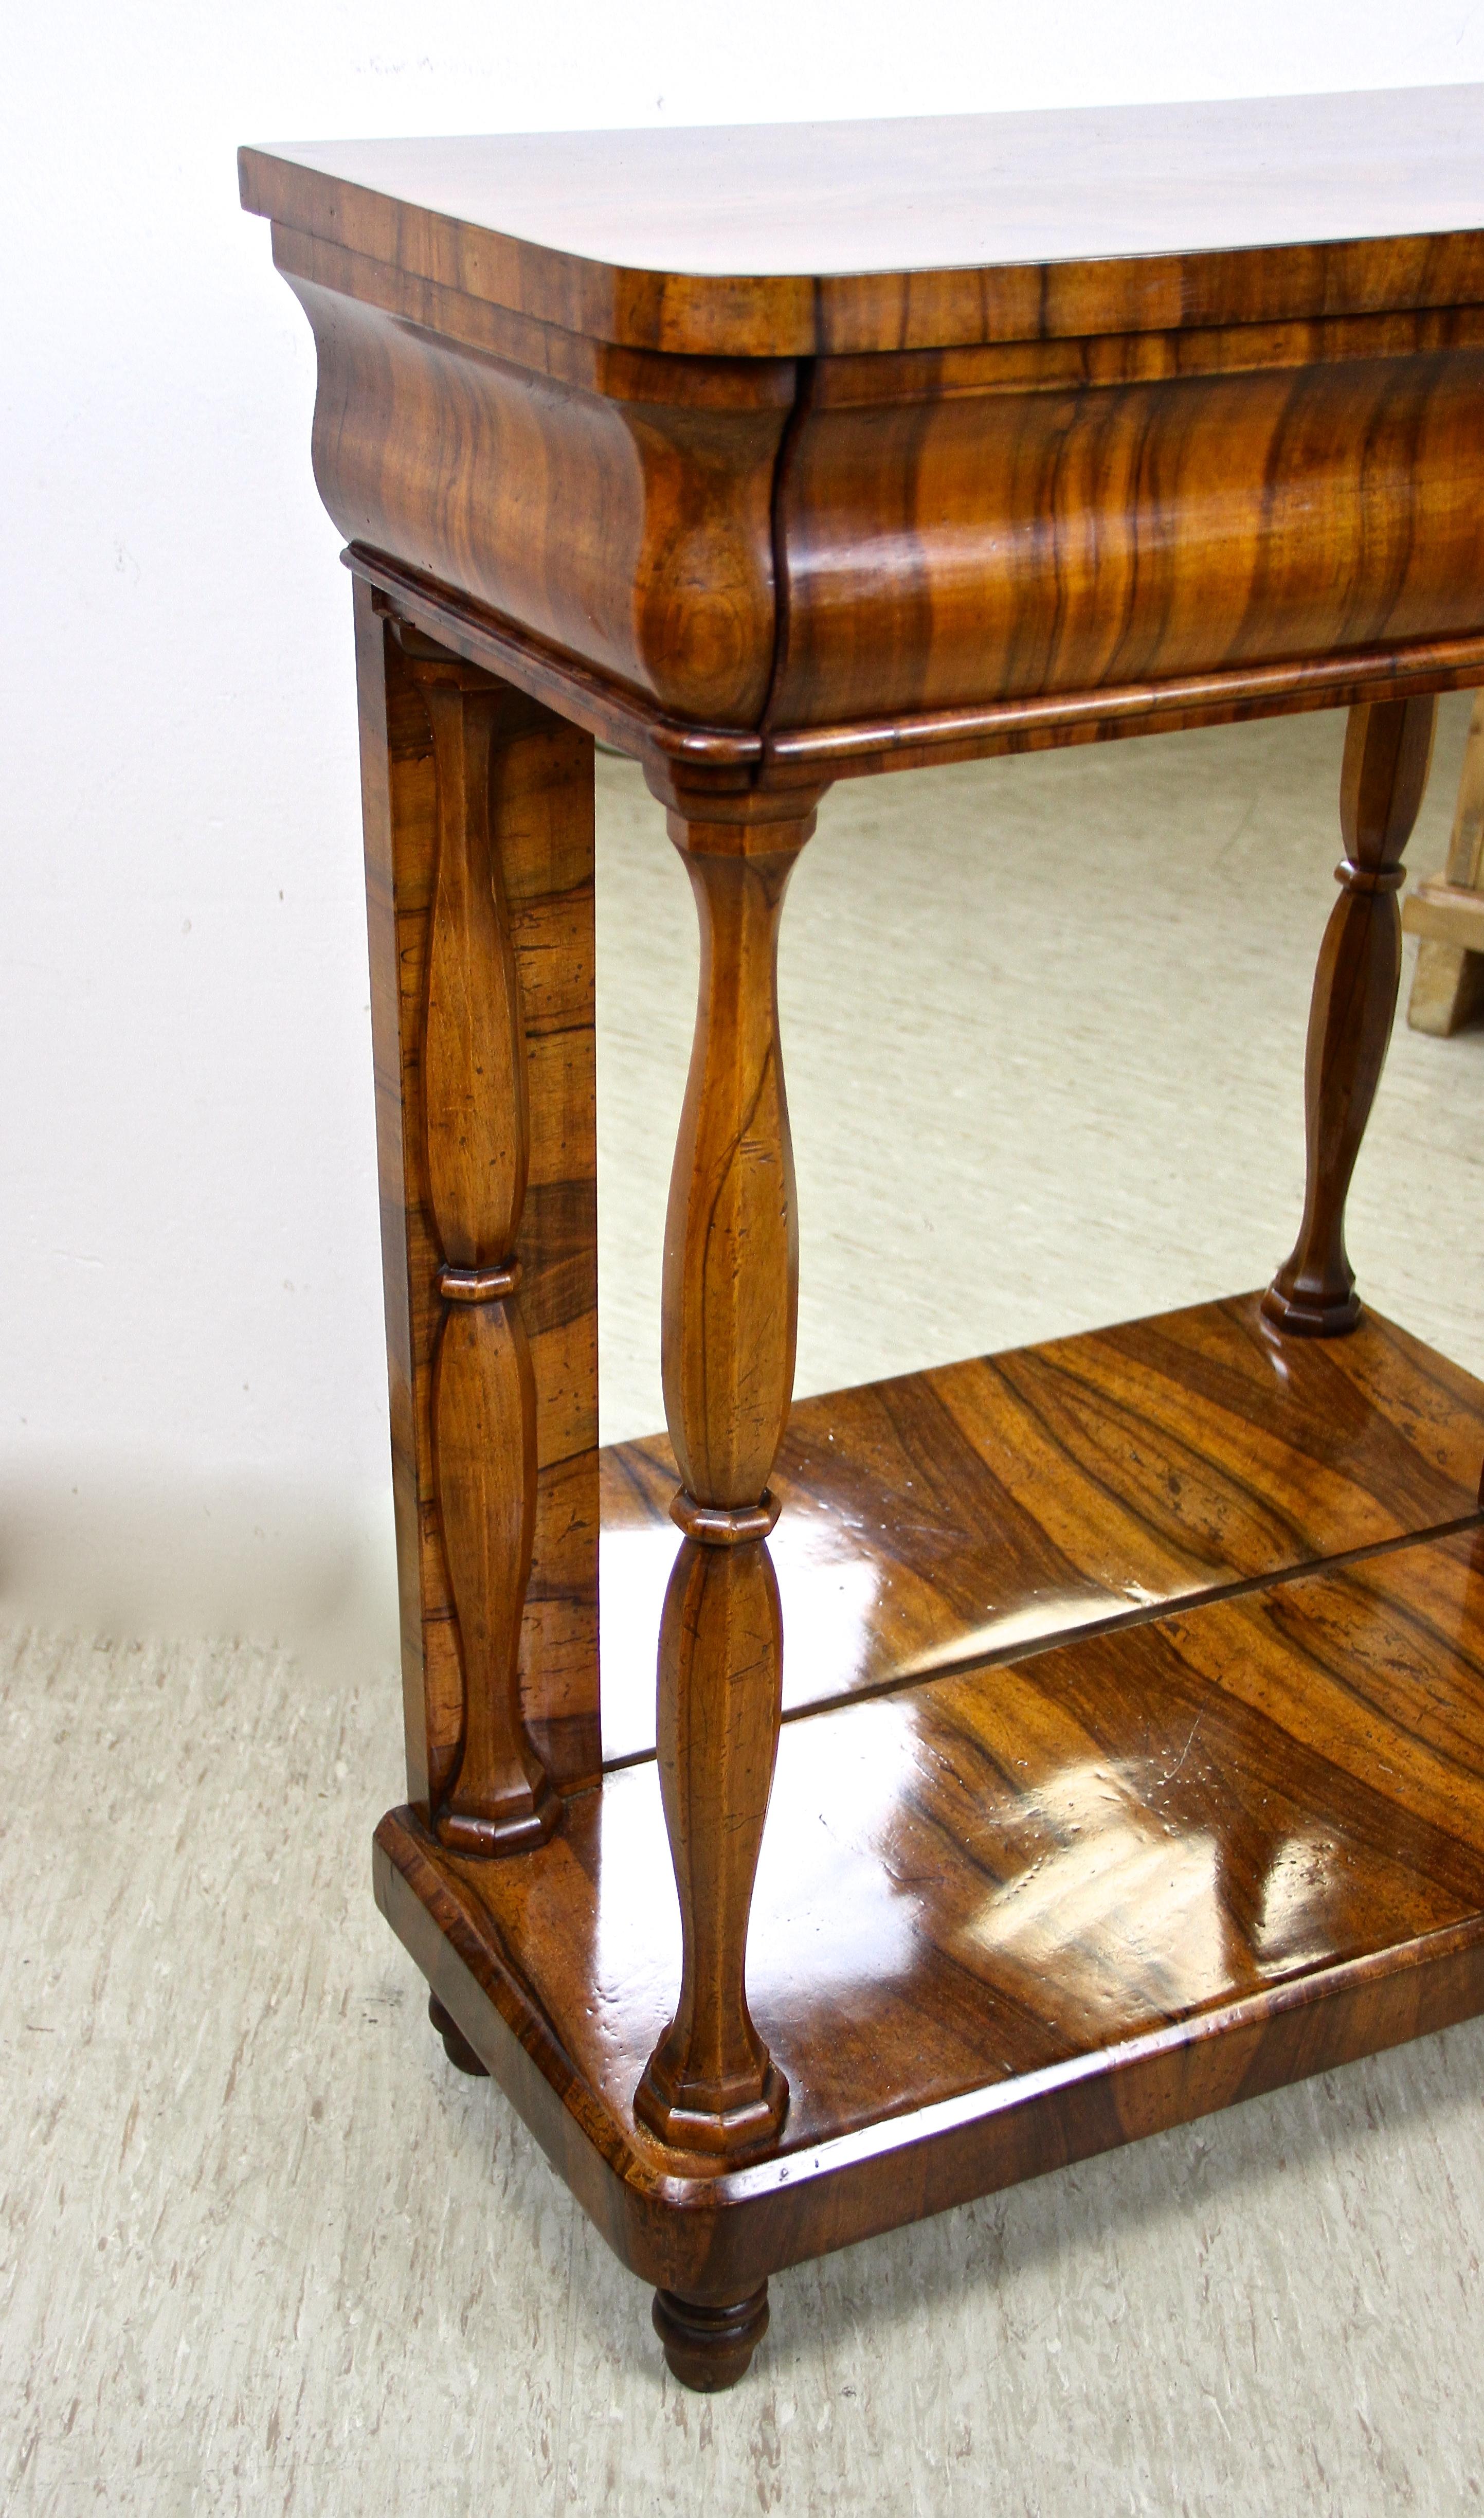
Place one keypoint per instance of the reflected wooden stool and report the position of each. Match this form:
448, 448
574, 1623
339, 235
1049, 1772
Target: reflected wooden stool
1046, 1747
1447, 910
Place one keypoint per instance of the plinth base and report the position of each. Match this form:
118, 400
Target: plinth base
1145, 1848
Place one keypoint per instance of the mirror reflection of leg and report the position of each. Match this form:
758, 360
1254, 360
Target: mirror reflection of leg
1388, 750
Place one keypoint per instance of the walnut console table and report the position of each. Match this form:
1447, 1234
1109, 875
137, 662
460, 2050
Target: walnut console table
1051, 1747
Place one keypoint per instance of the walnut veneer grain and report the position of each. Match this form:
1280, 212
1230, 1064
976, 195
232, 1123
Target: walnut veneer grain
1011, 1917
973, 1512
1165, 436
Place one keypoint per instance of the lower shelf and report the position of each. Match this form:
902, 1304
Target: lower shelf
945, 1519
1024, 1911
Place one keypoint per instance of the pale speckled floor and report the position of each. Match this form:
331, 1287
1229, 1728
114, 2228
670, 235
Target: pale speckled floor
264, 2250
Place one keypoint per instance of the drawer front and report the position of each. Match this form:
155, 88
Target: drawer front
1005, 544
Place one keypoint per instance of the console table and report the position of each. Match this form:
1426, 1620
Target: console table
1053, 1746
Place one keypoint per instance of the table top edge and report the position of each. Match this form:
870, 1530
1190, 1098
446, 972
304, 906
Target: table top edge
602, 264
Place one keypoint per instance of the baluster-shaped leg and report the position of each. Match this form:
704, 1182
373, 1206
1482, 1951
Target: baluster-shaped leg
431, 809
731, 1310
711, 2084
476, 1135
1388, 747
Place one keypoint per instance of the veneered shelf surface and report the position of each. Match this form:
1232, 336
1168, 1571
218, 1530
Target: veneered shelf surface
990, 1507
1017, 1913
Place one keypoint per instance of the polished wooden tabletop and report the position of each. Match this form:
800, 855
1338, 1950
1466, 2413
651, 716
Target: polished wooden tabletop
733, 220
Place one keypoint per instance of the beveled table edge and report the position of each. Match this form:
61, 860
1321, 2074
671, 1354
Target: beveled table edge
932, 305
743, 757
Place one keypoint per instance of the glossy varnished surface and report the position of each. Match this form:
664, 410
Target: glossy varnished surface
1000, 1884
989, 1506
705, 239
985, 1876
1078, 533
1037, 426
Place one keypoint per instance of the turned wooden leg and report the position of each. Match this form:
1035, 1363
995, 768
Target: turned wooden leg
478, 812
711, 2084
708, 2347
455, 2045
731, 1310
1388, 747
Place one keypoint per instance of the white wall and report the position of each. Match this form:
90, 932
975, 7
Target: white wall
190, 1390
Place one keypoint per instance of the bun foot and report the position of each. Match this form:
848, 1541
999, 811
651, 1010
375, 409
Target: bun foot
709, 2347
455, 2045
